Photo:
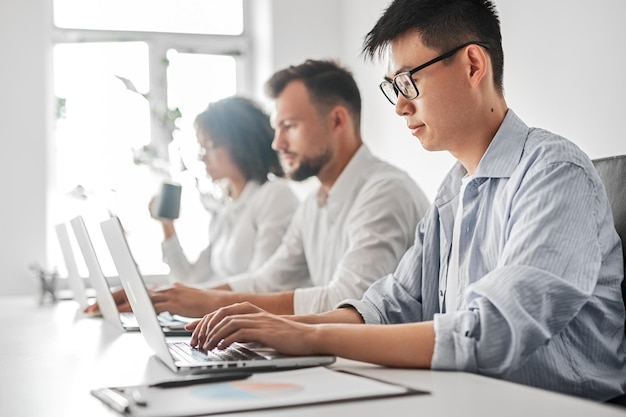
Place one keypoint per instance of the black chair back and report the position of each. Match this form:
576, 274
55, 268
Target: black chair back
612, 171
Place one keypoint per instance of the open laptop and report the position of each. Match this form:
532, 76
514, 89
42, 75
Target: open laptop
180, 356
74, 280
121, 320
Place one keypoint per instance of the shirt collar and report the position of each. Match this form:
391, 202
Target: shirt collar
499, 161
346, 180
505, 150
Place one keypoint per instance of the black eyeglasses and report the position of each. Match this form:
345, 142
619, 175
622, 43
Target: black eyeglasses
403, 83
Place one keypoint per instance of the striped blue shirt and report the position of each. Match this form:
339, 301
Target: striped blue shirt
541, 264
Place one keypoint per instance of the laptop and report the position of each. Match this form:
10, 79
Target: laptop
179, 356
120, 320
73, 277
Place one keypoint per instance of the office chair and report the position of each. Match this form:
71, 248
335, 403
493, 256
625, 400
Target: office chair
612, 172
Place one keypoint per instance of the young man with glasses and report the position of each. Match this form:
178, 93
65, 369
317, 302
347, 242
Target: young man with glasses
516, 269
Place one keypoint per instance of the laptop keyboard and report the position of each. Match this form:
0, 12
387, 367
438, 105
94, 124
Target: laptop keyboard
234, 352
165, 320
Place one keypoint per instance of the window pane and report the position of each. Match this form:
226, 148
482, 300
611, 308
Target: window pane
101, 122
195, 80
177, 16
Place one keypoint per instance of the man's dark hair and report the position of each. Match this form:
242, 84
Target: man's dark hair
327, 83
442, 25
241, 126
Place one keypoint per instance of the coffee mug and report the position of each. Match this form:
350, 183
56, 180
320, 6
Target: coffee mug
168, 202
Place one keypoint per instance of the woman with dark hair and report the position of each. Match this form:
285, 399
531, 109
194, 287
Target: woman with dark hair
235, 138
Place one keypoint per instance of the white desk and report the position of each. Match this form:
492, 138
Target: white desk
52, 357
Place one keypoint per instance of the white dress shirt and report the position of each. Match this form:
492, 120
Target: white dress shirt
338, 245
242, 235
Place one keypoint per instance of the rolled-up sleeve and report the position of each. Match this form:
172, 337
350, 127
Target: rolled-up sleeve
556, 237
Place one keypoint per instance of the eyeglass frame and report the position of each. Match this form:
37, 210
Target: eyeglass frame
394, 85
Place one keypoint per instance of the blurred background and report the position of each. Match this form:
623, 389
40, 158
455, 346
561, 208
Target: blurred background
98, 101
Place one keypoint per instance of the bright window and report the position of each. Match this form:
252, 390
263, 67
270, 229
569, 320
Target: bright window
126, 103
216, 17
194, 80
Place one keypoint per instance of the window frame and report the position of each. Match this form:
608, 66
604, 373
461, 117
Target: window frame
237, 46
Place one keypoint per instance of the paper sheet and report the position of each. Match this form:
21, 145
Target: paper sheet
263, 391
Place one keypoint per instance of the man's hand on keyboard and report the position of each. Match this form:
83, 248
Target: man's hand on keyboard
245, 322
188, 301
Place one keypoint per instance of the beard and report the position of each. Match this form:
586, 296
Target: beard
309, 167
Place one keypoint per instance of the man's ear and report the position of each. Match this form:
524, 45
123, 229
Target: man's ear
338, 118
478, 64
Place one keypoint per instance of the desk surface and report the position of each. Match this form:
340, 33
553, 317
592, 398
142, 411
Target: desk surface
52, 356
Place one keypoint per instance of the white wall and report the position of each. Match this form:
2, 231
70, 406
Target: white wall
564, 69
287, 32
564, 65
25, 115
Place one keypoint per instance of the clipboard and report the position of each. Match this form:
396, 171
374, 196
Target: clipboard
240, 393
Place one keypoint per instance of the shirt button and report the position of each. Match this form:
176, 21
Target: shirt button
441, 293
